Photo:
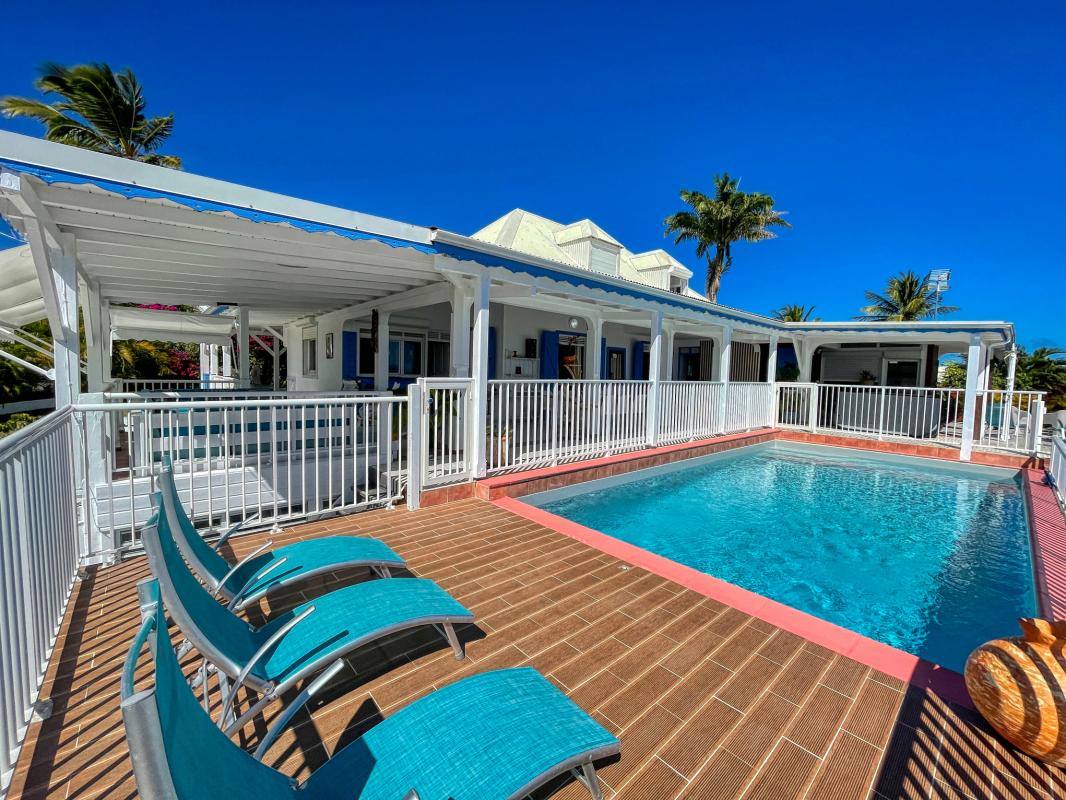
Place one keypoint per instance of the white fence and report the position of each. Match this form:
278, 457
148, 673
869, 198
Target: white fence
445, 443
1009, 421
235, 460
171, 384
536, 423
689, 411
39, 552
1057, 464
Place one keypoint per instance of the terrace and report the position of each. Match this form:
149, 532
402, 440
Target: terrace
708, 701
427, 370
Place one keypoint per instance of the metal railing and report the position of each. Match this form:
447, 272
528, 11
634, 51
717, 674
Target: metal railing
39, 551
536, 423
170, 384
748, 406
445, 442
1009, 421
273, 460
689, 411
1057, 465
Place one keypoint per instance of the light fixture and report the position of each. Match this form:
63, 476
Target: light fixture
573, 323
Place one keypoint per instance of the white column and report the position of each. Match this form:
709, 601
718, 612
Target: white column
244, 365
277, 362
594, 351
725, 353
804, 357
974, 354
459, 345
66, 342
227, 361
97, 340
1012, 366
667, 373
480, 374
655, 371
381, 358
771, 360
205, 363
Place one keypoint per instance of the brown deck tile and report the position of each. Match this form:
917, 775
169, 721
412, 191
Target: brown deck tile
708, 702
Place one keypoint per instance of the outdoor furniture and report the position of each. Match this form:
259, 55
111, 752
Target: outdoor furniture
264, 571
297, 644
498, 734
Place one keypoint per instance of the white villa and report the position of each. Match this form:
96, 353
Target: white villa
417, 357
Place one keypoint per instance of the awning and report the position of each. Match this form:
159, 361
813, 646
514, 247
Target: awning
170, 326
21, 301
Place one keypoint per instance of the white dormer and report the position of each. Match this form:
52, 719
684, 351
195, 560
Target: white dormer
590, 246
661, 270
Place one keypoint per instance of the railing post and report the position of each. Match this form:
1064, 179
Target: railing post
416, 413
1036, 424
655, 371
881, 414
556, 420
812, 407
969, 412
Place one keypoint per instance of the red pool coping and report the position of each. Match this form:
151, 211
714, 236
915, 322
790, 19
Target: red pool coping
892, 661
1047, 529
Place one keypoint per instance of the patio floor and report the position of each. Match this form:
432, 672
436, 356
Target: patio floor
708, 702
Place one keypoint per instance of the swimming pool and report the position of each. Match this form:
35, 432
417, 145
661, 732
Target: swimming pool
929, 557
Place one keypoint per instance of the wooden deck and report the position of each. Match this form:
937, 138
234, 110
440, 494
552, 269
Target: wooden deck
708, 702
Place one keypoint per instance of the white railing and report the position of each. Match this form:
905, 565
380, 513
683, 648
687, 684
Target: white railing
39, 552
1009, 421
1057, 465
170, 384
748, 406
536, 423
445, 442
217, 393
689, 410
262, 460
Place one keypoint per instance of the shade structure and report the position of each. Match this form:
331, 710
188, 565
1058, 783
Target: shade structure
170, 326
21, 301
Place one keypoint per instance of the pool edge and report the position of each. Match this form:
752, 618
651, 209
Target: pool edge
892, 661
1047, 540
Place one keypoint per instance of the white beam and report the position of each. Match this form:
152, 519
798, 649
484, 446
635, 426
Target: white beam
18, 189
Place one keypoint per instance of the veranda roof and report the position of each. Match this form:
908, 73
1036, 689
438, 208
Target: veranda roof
21, 301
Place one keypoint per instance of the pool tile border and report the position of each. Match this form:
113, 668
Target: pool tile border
892, 661
1047, 535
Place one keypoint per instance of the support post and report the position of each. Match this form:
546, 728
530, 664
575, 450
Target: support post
1012, 367
725, 355
415, 414
594, 348
381, 357
480, 373
277, 363
459, 346
655, 371
974, 354
1036, 425
771, 377
227, 361
668, 353
244, 364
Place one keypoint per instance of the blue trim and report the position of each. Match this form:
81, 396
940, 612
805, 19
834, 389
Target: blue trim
350, 355
638, 361
51, 176
549, 355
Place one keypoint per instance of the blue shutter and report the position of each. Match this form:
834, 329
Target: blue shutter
638, 361
549, 355
492, 353
350, 356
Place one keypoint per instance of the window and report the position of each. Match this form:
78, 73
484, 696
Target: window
439, 365
309, 354
366, 354
901, 373
406, 351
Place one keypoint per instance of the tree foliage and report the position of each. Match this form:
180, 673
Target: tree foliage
717, 222
793, 313
1043, 370
908, 296
97, 109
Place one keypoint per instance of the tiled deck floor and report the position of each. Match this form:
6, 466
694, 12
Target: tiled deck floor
708, 701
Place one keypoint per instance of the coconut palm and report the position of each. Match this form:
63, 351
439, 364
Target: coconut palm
716, 222
1043, 370
792, 313
907, 297
98, 110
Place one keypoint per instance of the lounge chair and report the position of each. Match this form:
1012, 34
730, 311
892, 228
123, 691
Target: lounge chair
264, 571
491, 736
298, 644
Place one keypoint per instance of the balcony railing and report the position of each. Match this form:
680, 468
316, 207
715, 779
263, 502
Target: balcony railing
1006, 421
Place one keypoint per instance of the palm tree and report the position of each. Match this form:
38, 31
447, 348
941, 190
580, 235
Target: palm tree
98, 110
907, 297
790, 313
730, 216
1043, 370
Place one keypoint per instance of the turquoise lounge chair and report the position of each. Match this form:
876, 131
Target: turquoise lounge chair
297, 644
262, 571
492, 736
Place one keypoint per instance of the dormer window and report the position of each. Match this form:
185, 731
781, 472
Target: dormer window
588, 245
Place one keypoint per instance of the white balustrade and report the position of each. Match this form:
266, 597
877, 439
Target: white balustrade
40, 547
445, 440
536, 423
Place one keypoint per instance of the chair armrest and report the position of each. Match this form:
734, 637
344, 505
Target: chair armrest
241, 563
227, 707
237, 603
299, 702
225, 537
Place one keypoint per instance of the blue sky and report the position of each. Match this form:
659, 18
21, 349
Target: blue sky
896, 135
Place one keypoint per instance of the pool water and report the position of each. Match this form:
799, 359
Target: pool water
932, 559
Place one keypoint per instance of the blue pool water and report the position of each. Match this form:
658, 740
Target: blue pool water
931, 559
